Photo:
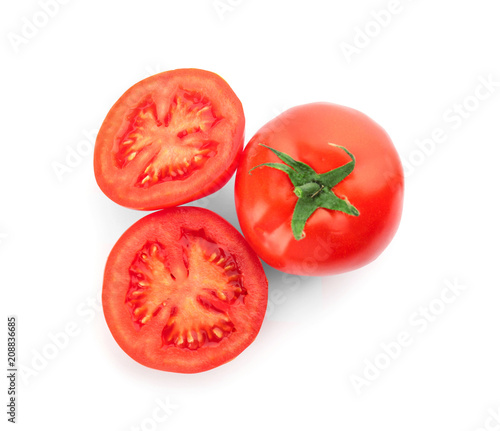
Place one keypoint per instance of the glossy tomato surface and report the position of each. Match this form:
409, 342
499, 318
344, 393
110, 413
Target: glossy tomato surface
170, 139
333, 241
183, 291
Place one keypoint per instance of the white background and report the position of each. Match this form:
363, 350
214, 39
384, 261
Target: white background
321, 334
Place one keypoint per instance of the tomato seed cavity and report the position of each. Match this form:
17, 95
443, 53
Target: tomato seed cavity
170, 148
192, 297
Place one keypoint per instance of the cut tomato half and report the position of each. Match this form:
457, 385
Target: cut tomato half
170, 139
183, 291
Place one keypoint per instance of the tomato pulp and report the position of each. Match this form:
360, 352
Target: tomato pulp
299, 166
183, 291
170, 139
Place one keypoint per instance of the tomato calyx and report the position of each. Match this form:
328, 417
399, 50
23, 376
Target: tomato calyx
312, 189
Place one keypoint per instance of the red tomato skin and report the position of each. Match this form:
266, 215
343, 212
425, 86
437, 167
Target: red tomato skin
118, 184
144, 346
334, 241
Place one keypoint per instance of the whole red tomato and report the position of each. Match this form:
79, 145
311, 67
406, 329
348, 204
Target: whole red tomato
319, 190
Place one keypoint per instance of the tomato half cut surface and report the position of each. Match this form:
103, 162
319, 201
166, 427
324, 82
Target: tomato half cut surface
170, 139
183, 291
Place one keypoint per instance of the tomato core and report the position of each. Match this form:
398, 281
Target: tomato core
173, 145
196, 289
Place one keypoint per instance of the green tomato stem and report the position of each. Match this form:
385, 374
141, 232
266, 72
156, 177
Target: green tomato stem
312, 189
308, 189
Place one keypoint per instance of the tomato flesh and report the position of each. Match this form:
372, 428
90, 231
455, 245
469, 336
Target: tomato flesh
183, 292
171, 138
